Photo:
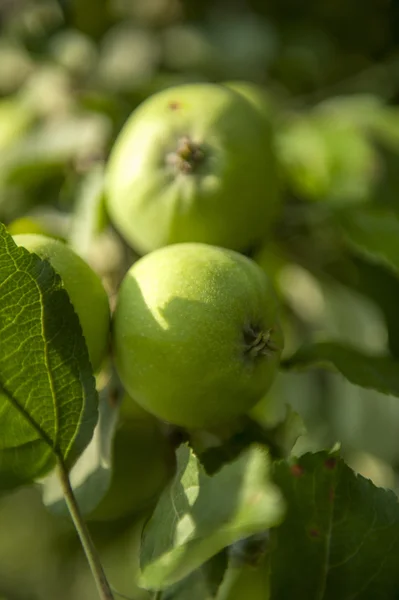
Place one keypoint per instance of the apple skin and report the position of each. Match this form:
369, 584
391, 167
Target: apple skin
193, 163
143, 461
256, 96
25, 225
196, 335
84, 288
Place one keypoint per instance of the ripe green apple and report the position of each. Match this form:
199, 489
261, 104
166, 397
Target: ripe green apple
84, 288
196, 335
194, 163
142, 463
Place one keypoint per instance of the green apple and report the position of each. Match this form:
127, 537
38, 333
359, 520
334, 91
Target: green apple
327, 157
142, 463
24, 225
196, 335
84, 288
194, 163
265, 106
256, 96
44, 221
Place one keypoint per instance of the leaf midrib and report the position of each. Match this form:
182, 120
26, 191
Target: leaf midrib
43, 435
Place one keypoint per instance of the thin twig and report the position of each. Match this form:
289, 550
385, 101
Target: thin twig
89, 548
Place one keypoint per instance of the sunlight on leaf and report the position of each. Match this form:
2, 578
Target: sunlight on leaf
198, 515
48, 400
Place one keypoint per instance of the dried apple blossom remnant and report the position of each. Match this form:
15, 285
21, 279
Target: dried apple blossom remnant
187, 157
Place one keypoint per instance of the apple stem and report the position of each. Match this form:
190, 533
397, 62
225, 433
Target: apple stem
103, 587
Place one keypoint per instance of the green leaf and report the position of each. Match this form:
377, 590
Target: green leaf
90, 476
341, 535
198, 515
279, 438
48, 400
379, 373
374, 233
376, 282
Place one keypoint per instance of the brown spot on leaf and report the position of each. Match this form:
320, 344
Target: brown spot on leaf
330, 463
314, 532
297, 470
174, 105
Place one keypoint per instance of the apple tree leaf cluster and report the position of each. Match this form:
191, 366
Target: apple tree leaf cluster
338, 527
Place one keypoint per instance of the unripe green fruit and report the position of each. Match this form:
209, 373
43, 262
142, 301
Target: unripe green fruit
194, 163
84, 288
196, 334
142, 463
256, 96
25, 225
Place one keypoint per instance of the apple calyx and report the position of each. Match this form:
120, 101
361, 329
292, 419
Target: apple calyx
259, 343
187, 156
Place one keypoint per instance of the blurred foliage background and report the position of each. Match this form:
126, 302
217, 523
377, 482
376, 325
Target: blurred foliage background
71, 71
